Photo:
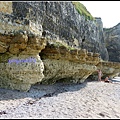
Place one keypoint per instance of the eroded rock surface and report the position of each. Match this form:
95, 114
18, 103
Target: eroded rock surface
67, 64
112, 40
41, 43
73, 65
20, 63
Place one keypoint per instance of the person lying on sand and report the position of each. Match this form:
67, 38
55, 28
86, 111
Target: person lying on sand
107, 80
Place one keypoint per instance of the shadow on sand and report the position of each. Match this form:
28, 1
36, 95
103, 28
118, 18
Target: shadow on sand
39, 91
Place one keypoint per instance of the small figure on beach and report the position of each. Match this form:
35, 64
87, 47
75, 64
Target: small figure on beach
107, 79
99, 74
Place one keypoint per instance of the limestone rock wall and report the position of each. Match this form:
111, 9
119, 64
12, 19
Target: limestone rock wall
20, 44
109, 68
67, 64
60, 20
102, 42
66, 71
22, 75
112, 41
43, 42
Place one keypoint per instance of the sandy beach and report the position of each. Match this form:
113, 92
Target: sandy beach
91, 99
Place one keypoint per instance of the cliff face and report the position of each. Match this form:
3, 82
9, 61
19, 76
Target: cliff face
49, 41
100, 36
61, 21
20, 45
112, 41
68, 65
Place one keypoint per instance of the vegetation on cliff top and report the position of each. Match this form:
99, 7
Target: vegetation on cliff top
83, 11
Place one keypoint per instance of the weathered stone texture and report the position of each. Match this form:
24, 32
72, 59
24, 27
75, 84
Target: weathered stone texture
63, 22
6, 7
74, 65
52, 34
109, 68
71, 65
64, 69
112, 41
21, 75
20, 41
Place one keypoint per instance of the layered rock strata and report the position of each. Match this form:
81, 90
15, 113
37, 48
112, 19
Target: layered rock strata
41, 43
61, 20
20, 63
67, 64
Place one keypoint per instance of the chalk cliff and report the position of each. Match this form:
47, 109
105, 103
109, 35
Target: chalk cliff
112, 41
65, 45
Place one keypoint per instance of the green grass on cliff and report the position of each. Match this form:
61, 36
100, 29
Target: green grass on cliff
83, 11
